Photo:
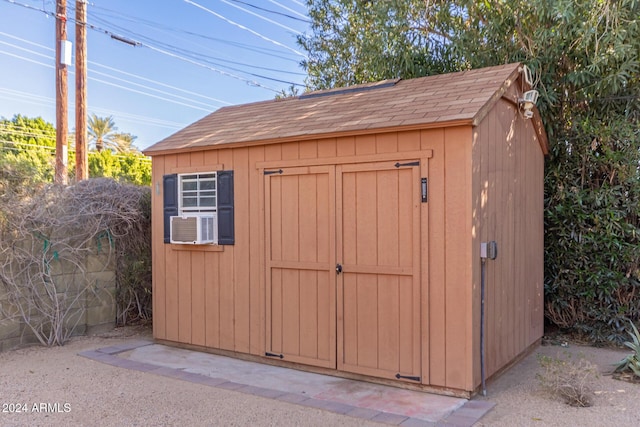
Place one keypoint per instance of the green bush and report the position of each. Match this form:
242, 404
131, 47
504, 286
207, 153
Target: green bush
631, 363
592, 231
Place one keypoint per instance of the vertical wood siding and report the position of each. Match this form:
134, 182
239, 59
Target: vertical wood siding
487, 188
508, 208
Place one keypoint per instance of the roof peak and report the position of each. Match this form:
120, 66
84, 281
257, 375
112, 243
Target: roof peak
350, 89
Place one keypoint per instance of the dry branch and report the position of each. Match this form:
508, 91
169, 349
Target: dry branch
46, 239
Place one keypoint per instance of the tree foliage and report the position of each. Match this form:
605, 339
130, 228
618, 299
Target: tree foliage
355, 41
27, 154
101, 131
103, 134
130, 167
586, 59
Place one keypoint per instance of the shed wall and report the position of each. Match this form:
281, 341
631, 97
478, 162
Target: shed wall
214, 296
508, 208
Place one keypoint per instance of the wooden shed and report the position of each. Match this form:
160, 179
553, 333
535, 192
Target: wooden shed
343, 231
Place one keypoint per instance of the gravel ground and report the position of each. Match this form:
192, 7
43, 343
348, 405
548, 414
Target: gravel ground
79, 391
88, 393
520, 401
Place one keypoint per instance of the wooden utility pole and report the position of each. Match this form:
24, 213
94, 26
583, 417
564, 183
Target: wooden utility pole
61, 94
82, 170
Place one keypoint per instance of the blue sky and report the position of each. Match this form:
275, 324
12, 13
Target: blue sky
195, 56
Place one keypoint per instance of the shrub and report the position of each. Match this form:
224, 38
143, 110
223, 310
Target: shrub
568, 379
631, 363
46, 238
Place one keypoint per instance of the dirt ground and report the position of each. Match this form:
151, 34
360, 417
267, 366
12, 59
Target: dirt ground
55, 387
521, 401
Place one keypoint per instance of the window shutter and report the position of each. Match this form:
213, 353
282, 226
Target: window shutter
226, 234
170, 202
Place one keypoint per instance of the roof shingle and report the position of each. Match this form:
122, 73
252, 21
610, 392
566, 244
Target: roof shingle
461, 96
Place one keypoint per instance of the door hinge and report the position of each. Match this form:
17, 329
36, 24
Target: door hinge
399, 165
274, 355
279, 171
406, 377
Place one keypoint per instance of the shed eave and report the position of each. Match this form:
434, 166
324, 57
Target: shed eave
310, 136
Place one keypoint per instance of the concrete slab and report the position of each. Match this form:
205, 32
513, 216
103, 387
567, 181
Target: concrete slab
363, 400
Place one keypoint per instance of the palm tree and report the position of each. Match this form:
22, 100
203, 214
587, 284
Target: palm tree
124, 142
101, 131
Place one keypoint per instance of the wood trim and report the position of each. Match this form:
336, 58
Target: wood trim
418, 256
504, 88
197, 248
299, 265
311, 136
333, 278
339, 258
377, 269
424, 263
195, 169
363, 158
266, 255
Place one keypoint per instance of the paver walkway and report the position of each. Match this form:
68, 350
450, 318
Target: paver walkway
358, 399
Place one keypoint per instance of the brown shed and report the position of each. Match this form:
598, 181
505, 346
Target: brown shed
343, 231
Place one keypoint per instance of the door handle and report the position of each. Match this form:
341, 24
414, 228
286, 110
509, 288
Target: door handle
338, 268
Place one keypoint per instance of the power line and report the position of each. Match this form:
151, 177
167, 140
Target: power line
71, 150
6, 130
261, 17
160, 83
272, 53
242, 27
303, 19
150, 94
109, 68
26, 59
222, 72
196, 55
298, 3
47, 101
210, 107
26, 144
168, 51
290, 10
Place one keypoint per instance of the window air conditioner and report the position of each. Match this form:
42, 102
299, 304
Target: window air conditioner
194, 229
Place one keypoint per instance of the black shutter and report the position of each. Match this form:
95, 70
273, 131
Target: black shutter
226, 234
170, 202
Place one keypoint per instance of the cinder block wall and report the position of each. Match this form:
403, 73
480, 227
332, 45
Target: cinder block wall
94, 310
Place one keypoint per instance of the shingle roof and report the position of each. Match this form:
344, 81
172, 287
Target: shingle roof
447, 98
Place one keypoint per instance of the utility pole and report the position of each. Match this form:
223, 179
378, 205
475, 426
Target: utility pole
82, 169
61, 92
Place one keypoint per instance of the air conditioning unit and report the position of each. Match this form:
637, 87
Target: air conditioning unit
194, 229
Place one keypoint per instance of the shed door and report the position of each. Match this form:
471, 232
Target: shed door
378, 241
300, 265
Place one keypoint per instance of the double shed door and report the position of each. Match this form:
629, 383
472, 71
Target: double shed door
342, 264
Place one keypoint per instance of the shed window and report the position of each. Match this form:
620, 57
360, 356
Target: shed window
198, 193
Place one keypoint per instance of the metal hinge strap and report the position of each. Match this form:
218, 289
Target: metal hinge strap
274, 355
405, 377
399, 165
